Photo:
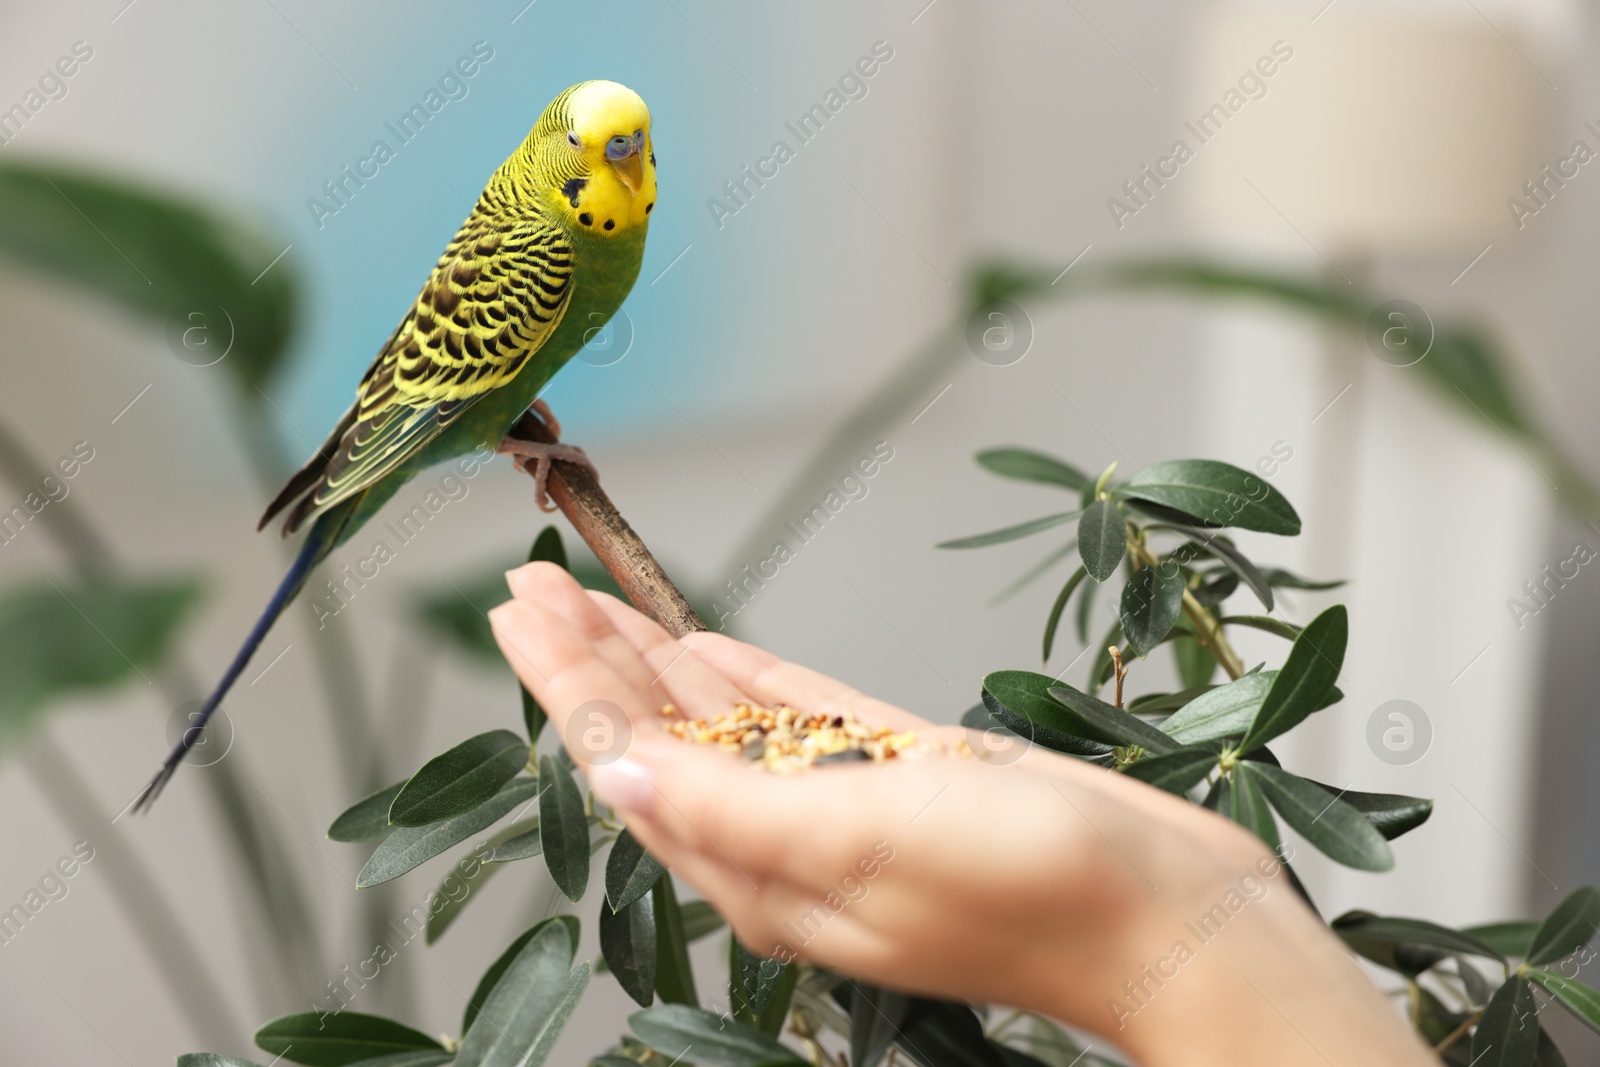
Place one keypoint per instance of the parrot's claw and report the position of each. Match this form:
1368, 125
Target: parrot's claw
535, 457
541, 409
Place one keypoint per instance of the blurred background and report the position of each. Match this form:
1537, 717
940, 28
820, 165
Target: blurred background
1017, 156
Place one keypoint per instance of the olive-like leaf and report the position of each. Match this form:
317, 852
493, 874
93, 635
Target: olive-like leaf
1151, 602
367, 819
674, 973
630, 871
1020, 701
459, 780
1279, 578
1102, 539
1219, 493
1265, 623
563, 828
1574, 996
1058, 607
1025, 465
1391, 813
1304, 680
1380, 937
1176, 772
1225, 711
628, 943
1339, 831
1508, 1033
497, 969
410, 846
333, 1039
1249, 807
1085, 716
875, 1019
465, 880
524, 1013
677, 1031
1011, 533
1510, 939
1568, 928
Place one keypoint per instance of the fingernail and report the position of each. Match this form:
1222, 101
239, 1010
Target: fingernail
626, 785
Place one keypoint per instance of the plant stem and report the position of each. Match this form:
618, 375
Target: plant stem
608, 535
1455, 1035
177, 960
1207, 630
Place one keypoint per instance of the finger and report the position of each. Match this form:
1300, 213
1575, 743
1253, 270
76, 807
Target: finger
688, 680
564, 671
549, 585
774, 681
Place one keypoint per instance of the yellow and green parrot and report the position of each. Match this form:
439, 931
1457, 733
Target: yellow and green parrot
548, 254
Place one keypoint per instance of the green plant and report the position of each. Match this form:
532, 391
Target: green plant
1158, 536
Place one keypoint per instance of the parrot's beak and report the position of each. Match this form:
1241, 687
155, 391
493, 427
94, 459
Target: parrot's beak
630, 169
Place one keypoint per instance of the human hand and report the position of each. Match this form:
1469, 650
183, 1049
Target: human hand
1046, 883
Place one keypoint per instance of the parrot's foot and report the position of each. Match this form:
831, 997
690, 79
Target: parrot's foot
535, 457
541, 409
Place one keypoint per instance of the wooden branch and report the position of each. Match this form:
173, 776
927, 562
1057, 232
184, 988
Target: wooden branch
579, 496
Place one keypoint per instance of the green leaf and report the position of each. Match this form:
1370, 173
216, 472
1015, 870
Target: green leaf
1549, 1055
419, 1058
1020, 701
1167, 703
676, 1030
1568, 928
1574, 996
1085, 608
410, 846
498, 968
1392, 942
1279, 578
1305, 679
1151, 602
159, 257
1507, 938
1176, 772
1102, 539
1011, 533
527, 1008
1025, 465
630, 871
1226, 711
1217, 492
700, 919
1058, 607
1248, 805
459, 780
1265, 623
459, 887
367, 819
775, 1015
1222, 550
875, 1019
64, 638
753, 982
1057, 554
1508, 1033
628, 943
1392, 814
563, 828
1339, 831
1196, 667
674, 973
1220, 799
1083, 716
524, 845
332, 1039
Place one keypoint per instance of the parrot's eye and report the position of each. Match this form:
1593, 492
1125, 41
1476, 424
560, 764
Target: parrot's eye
572, 138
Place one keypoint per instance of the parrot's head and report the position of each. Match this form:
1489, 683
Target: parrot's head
593, 151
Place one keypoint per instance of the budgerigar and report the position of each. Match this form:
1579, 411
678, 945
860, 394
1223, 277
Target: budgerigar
548, 254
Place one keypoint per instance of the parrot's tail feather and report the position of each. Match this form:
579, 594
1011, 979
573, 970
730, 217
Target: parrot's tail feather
317, 545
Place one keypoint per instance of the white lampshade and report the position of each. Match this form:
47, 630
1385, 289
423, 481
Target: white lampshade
1383, 132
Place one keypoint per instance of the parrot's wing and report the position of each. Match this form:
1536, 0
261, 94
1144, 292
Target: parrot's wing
494, 299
